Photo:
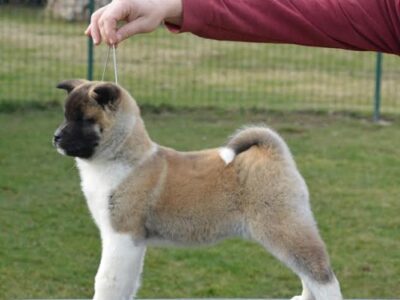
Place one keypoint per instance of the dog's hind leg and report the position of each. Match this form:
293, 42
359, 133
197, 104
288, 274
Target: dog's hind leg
299, 246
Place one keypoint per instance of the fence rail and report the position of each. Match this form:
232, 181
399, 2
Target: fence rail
38, 50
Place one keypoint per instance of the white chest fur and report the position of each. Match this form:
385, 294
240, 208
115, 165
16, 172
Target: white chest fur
98, 181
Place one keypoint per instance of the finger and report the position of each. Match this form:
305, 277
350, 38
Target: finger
87, 31
94, 26
108, 29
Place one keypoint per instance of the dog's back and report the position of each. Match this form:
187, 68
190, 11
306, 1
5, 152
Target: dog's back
202, 197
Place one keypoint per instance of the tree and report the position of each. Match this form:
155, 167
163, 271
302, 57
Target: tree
72, 10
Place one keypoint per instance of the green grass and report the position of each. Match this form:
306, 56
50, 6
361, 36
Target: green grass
183, 70
49, 246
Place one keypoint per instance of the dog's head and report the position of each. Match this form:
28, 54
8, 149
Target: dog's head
98, 116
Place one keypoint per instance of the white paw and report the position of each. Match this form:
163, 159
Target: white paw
297, 298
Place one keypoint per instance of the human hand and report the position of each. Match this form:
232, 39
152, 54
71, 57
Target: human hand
140, 16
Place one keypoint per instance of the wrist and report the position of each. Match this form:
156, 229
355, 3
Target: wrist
173, 11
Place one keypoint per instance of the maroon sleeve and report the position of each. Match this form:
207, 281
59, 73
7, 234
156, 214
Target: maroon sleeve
349, 24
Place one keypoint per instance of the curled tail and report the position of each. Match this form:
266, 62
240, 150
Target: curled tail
248, 137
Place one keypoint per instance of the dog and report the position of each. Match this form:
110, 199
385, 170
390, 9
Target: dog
140, 193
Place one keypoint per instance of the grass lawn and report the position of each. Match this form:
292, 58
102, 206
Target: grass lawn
183, 70
49, 246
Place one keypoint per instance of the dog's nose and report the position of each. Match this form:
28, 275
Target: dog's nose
56, 138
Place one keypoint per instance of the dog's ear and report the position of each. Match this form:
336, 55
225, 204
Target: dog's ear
106, 94
70, 84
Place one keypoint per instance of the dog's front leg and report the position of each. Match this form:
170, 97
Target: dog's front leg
119, 272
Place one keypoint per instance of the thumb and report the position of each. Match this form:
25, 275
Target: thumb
140, 25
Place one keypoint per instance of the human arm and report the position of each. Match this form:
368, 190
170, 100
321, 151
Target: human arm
348, 24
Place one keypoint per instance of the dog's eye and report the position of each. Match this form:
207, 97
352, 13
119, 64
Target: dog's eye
89, 120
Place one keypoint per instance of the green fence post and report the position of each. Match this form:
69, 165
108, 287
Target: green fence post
378, 82
90, 46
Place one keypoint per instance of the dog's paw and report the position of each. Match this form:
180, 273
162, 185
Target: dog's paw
297, 298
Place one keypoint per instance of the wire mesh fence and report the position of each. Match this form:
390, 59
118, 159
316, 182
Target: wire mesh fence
38, 50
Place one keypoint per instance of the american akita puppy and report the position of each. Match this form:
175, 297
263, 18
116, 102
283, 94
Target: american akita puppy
139, 192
